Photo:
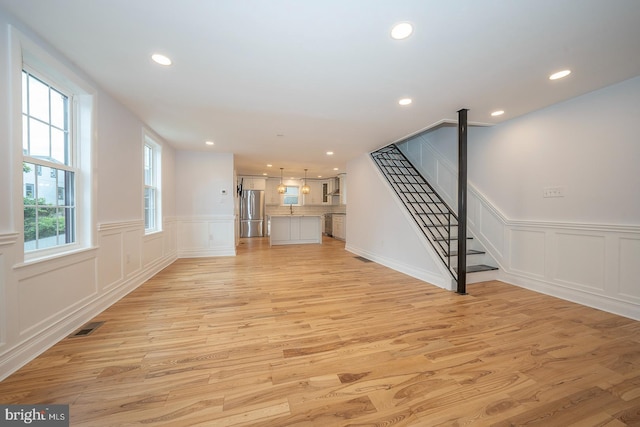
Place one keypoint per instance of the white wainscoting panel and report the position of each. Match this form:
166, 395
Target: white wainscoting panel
629, 268
132, 248
528, 252
110, 266
206, 236
447, 182
45, 297
489, 228
580, 260
152, 249
592, 264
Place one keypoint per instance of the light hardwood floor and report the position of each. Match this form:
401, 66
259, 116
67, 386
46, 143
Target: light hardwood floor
310, 335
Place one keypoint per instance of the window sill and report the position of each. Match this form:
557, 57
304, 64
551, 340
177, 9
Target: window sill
71, 255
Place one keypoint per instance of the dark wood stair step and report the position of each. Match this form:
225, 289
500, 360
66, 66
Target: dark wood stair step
469, 252
452, 239
478, 268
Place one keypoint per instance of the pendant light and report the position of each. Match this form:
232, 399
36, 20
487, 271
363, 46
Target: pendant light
305, 188
281, 188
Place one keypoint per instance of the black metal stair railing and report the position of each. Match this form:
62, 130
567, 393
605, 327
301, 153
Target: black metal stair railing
434, 217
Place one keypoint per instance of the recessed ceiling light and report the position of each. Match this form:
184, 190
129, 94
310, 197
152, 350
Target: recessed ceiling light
335, 169
209, 142
497, 113
319, 176
161, 59
405, 101
264, 173
559, 74
269, 165
329, 153
401, 31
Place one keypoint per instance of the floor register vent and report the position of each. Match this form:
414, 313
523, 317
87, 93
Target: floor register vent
86, 330
363, 259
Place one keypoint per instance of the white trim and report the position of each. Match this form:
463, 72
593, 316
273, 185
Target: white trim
8, 239
117, 225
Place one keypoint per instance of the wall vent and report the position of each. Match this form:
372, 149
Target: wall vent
86, 329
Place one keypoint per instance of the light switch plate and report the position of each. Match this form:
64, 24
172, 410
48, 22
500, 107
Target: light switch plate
553, 192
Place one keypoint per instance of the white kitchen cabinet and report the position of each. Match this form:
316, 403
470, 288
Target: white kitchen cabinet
326, 188
343, 188
339, 227
253, 183
272, 197
295, 229
315, 195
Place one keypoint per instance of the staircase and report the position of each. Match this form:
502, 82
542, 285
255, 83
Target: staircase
433, 216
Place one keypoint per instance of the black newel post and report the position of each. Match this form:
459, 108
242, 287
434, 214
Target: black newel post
462, 201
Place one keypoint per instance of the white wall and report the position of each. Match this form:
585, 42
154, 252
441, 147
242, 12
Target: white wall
379, 229
580, 247
43, 301
205, 215
588, 145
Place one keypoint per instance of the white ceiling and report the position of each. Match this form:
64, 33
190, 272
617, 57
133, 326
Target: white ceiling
284, 81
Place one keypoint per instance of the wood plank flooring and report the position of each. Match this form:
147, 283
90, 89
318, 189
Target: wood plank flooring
310, 335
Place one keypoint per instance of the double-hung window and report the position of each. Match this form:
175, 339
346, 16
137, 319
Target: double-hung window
291, 195
49, 167
152, 193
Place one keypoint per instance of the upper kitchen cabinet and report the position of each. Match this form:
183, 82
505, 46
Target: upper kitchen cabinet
339, 193
252, 183
315, 194
272, 196
327, 189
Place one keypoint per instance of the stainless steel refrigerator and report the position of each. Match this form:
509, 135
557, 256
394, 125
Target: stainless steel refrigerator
252, 217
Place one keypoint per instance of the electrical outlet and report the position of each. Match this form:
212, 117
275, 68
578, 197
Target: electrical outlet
553, 192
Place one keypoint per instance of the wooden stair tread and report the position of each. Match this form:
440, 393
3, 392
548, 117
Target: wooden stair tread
478, 268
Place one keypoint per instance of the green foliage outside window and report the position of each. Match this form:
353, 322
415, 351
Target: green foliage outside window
50, 223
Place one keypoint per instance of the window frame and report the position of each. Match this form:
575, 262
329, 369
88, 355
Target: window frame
154, 185
68, 165
285, 195
26, 54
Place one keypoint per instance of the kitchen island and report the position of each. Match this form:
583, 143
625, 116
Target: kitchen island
295, 229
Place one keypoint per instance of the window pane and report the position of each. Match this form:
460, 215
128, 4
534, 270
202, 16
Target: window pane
47, 188
149, 208
58, 109
47, 227
29, 181
29, 228
39, 139
25, 135
38, 99
148, 165
24, 93
58, 143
